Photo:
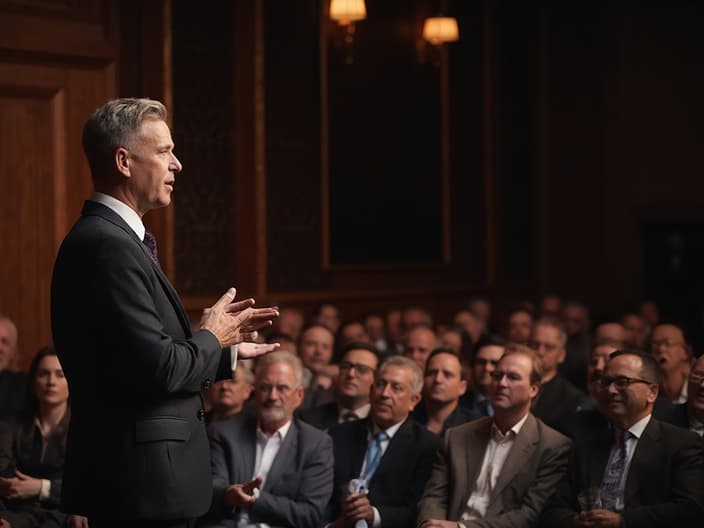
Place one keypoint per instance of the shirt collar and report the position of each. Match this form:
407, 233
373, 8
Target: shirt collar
361, 412
123, 210
391, 431
637, 428
281, 432
515, 429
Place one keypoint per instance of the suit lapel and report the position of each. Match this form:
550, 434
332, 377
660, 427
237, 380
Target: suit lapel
600, 448
523, 446
474, 455
246, 450
287, 450
91, 208
642, 457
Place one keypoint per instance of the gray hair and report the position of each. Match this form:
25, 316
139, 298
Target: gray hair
281, 356
402, 361
115, 125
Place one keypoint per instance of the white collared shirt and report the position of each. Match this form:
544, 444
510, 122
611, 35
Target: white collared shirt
361, 412
696, 426
123, 210
497, 450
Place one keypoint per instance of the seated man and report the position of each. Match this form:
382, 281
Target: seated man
645, 473
496, 472
13, 385
315, 348
487, 356
690, 415
670, 348
418, 343
443, 385
357, 368
228, 397
382, 463
271, 469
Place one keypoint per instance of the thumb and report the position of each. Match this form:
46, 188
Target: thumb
20, 475
226, 299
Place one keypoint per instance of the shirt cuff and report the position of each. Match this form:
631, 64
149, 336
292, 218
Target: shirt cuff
233, 356
45, 490
376, 523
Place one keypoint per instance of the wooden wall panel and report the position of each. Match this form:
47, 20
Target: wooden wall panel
57, 64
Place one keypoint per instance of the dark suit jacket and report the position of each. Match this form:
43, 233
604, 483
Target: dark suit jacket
457, 417
137, 445
557, 400
665, 482
323, 416
13, 391
298, 486
398, 481
536, 462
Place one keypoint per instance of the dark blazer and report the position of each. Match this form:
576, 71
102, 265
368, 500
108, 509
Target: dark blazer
536, 462
137, 445
13, 390
665, 482
298, 486
457, 417
400, 477
558, 399
322, 417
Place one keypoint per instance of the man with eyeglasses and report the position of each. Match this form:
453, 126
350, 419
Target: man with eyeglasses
674, 355
270, 469
558, 398
357, 368
497, 471
643, 472
487, 356
382, 463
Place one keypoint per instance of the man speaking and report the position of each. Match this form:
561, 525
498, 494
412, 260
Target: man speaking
137, 452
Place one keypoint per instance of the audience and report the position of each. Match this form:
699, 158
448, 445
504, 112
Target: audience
419, 342
357, 368
636, 330
519, 325
34, 448
639, 471
487, 356
498, 471
382, 463
315, 349
576, 324
690, 415
674, 355
443, 386
375, 327
270, 468
12, 384
610, 332
228, 397
558, 398
328, 315
290, 322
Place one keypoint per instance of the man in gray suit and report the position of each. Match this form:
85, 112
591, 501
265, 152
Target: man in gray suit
497, 472
271, 469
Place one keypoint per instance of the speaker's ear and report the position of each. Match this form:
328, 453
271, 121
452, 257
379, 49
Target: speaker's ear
122, 161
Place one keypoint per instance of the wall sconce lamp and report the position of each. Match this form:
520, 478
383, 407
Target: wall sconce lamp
346, 13
439, 30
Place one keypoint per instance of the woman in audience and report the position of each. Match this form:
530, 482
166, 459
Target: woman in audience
35, 447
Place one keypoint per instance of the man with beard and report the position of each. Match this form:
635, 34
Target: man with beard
271, 469
498, 471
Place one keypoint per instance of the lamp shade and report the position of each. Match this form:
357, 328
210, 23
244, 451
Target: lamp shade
438, 30
347, 11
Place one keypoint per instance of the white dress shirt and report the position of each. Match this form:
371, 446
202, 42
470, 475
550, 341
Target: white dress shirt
360, 412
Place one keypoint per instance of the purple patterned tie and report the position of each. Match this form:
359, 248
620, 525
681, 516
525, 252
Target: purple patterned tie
150, 242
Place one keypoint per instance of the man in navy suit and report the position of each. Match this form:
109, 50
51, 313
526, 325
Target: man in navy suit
137, 452
288, 462
648, 473
387, 458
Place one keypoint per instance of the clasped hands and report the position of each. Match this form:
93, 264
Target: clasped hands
234, 322
242, 495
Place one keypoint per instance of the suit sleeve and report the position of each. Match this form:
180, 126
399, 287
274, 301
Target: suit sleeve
434, 503
552, 468
314, 491
131, 321
221, 474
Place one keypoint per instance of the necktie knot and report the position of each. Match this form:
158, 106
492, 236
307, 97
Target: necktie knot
150, 242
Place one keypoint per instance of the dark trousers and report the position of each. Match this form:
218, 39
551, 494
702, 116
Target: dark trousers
106, 522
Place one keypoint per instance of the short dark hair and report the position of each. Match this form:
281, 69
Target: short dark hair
650, 370
359, 345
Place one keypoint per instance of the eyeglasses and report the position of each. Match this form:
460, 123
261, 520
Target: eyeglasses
620, 382
359, 367
667, 343
696, 377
